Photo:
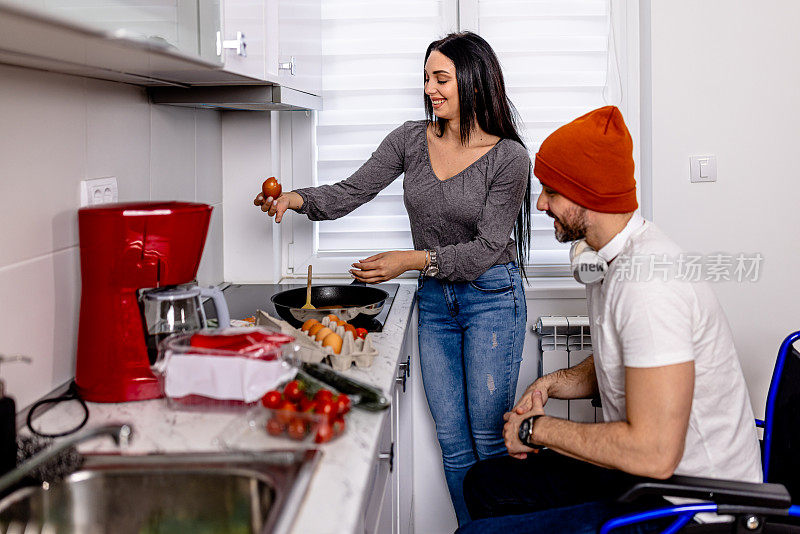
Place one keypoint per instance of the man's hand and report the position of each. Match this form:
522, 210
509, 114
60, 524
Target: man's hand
387, 265
525, 403
511, 429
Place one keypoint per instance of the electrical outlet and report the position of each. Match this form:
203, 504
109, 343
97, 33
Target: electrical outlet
99, 191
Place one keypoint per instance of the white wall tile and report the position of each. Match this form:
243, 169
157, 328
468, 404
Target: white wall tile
172, 153
39, 318
42, 161
58, 130
118, 137
209, 156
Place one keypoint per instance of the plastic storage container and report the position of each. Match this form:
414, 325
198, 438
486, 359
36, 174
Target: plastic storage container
227, 369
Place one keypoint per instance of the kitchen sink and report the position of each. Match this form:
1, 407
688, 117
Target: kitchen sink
220, 493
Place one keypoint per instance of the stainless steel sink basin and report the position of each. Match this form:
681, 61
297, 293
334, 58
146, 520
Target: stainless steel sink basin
181, 493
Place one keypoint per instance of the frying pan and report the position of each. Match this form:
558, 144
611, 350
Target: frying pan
348, 302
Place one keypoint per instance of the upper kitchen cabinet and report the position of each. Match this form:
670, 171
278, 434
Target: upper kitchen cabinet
183, 43
276, 41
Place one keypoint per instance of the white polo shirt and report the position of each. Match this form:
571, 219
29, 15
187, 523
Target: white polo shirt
645, 314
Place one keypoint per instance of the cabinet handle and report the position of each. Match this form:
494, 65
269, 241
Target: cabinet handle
401, 379
408, 366
388, 456
239, 44
289, 65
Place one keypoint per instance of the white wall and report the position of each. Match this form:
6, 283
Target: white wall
725, 80
56, 131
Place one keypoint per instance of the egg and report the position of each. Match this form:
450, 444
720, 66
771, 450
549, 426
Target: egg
308, 324
332, 318
350, 328
334, 341
322, 332
316, 327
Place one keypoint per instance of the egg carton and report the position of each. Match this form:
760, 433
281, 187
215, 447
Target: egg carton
358, 351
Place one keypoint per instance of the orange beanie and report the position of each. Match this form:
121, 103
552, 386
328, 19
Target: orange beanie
590, 161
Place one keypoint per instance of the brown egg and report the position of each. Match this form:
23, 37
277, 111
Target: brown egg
322, 332
312, 331
332, 318
350, 328
308, 324
334, 341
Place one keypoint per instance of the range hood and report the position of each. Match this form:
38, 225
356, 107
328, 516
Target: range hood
240, 97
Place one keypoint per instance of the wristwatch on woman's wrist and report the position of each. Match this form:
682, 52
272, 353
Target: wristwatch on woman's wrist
526, 431
432, 266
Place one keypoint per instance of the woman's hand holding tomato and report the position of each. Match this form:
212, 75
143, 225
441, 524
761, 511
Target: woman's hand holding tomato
274, 202
387, 265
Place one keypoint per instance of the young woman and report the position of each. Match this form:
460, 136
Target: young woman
466, 188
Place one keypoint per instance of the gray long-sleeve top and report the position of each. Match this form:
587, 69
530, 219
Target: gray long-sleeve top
468, 218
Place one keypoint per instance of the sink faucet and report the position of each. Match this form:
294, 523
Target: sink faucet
120, 433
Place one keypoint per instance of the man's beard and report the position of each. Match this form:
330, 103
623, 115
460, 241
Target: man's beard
573, 224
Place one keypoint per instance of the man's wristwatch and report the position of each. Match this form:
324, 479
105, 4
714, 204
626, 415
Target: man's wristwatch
526, 431
432, 268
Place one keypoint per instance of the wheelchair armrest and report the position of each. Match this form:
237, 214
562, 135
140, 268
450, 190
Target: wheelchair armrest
715, 490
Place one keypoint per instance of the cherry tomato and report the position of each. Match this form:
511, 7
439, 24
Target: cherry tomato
326, 408
342, 404
307, 405
361, 332
293, 391
324, 433
338, 425
271, 188
274, 427
284, 415
272, 399
297, 429
323, 395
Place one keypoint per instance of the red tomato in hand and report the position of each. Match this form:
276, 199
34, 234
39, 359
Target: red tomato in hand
323, 395
361, 332
274, 427
272, 399
293, 392
342, 404
324, 433
271, 188
297, 429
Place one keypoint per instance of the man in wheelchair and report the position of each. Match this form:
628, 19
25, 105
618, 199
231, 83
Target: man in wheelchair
674, 399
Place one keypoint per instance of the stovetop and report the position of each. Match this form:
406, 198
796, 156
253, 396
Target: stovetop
244, 299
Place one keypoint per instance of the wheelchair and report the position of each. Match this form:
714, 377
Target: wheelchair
756, 508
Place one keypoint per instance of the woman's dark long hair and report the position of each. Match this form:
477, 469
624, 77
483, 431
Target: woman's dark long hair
482, 98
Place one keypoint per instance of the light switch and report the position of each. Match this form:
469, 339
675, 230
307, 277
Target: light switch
703, 168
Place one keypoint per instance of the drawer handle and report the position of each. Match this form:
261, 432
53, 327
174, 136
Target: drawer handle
384, 456
239, 44
401, 379
289, 65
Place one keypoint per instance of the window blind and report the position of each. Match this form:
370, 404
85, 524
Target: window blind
554, 55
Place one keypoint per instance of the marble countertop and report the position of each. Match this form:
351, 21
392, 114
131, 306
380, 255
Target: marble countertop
340, 485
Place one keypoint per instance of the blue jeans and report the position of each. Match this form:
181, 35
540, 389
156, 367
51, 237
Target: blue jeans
470, 341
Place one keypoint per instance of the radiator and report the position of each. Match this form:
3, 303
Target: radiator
564, 342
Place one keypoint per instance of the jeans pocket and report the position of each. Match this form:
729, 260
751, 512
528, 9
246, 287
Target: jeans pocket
496, 279
420, 282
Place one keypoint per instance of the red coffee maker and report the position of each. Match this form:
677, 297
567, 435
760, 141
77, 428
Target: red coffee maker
124, 248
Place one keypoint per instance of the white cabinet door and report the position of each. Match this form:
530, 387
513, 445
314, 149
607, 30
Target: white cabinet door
403, 480
247, 19
283, 42
379, 489
299, 55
